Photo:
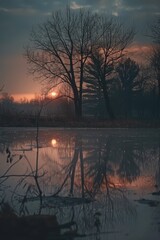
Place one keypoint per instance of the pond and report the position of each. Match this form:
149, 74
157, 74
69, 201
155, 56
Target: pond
106, 181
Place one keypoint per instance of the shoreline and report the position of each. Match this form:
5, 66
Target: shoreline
89, 124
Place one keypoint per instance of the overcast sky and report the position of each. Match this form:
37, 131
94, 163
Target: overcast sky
18, 16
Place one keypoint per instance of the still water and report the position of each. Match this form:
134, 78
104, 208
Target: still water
105, 180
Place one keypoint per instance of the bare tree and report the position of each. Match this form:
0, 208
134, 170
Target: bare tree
61, 47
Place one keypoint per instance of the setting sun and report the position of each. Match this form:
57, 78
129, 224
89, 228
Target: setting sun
54, 94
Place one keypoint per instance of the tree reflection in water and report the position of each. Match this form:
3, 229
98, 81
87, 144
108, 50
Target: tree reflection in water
83, 168
128, 168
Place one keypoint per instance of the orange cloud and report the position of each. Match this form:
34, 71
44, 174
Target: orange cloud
139, 53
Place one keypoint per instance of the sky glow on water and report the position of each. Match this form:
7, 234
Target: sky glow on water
115, 169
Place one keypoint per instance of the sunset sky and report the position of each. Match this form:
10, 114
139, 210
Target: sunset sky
17, 17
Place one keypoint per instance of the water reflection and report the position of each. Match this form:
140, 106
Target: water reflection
129, 166
54, 142
87, 177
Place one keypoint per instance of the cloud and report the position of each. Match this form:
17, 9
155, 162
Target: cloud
147, 6
139, 53
76, 6
40, 6
115, 14
19, 11
141, 3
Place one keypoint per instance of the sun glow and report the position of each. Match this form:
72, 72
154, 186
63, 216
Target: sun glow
54, 142
54, 94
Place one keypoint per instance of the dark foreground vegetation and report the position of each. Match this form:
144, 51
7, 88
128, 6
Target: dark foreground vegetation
34, 227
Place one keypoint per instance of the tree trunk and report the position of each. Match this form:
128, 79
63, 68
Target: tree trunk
73, 170
128, 103
82, 170
108, 105
77, 102
78, 108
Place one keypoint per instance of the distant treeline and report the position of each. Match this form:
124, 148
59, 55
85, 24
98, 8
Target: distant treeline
136, 99
26, 111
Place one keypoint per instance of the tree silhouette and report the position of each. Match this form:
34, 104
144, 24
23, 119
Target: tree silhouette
127, 72
93, 93
105, 55
155, 31
93, 101
155, 64
155, 55
6, 105
129, 169
61, 47
97, 73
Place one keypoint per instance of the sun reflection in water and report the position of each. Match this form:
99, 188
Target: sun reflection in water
54, 142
